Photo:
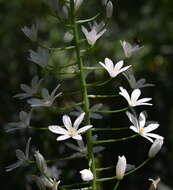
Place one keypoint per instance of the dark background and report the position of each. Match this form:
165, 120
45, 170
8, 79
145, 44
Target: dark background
150, 21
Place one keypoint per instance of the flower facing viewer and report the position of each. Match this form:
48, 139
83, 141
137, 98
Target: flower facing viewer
86, 175
121, 167
139, 126
133, 100
95, 32
71, 131
112, 69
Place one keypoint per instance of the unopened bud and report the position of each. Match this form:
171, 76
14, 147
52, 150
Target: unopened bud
109, 9
121, 167
41, 163
86, 175
155, 148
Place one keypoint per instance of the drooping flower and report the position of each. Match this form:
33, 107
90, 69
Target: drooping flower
41, 163
109, 9
43, 182
139, 126
22, 123
112, 69
96, 31
86, 175
71, 131
31, 33
155, 148
133, 100
154, 183
29, 90
135, 84
129, 49
47, 99
23, 158
121, 167
41, 57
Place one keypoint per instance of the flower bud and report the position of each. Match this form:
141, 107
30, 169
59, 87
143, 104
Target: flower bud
41, 163
109, 9
155, 148
120, 167
86, 175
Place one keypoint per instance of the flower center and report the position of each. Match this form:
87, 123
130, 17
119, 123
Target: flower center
72, 131
141, 131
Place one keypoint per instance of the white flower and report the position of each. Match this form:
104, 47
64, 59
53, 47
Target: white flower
96, 31
114, 70
133, 100
23, 158
31, 33
86, 175
43, 182
154, 183
121, 167
71, 130
109, 9
78, 3
47, 99
135, 84
128, 48
155, 148
41, 163
29, 90
24, 122
41, 57
139, 126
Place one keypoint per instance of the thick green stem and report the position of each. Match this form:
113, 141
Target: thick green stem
84, 92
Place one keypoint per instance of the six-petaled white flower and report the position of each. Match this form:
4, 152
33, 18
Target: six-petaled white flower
128, 48
47, 99
135, 84
112, 69
86, 175
133, 100
139, 126
96, 31
71, 130
121, 167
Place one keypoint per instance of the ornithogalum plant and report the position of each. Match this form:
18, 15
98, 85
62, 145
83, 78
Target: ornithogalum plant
80, 130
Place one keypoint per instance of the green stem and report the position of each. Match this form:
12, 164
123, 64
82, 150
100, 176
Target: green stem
117, 184
84, 93
95, 84
109, 111
114, 140
109, 129
102, 96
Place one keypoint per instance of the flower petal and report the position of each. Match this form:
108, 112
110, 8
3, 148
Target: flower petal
79, 120
135, 95
77, 137
134, 129
151, 127
63, 137
142, 120
67, 121
57, 129
132, 118
85, 128
154, 135
125, 94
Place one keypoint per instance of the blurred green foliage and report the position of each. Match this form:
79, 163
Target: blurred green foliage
150, 21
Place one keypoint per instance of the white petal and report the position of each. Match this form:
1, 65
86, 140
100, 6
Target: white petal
151, 127
67, 121
124, 69
134, 129
85, 31
135, 95
142, 120
57, 129
119, 65
77, 137
63, 137
125, 94
132, 118
109, 64
154, 135
145, 136
78, 120
143, 100
85, 128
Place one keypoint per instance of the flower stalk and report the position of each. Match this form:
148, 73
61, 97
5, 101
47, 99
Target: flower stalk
84, 92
